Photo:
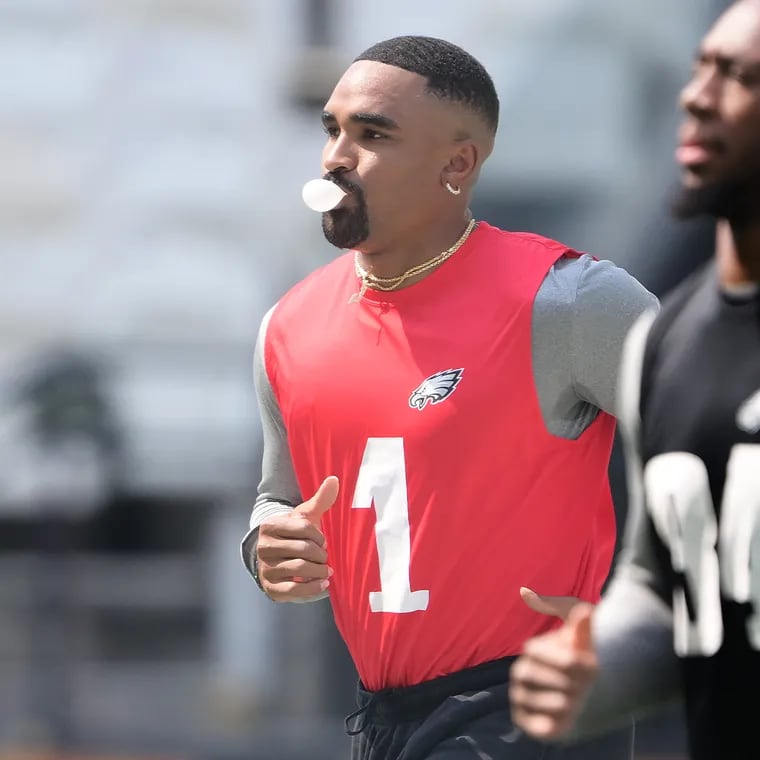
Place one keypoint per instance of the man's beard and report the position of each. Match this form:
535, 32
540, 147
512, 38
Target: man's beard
347, 227
734, 200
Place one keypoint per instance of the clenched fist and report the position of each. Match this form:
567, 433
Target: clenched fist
291, 557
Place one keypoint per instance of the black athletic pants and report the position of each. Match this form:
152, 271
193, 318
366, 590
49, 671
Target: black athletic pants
461, 716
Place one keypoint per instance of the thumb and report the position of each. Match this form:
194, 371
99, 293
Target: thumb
578, 626
558, 606
323, 499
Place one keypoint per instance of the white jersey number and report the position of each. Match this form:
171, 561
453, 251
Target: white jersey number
678, 495
382, 483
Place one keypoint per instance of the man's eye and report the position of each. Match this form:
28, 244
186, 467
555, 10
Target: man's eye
370, 134
738, 74
331, 131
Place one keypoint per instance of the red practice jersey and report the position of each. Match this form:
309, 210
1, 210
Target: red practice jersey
453, 493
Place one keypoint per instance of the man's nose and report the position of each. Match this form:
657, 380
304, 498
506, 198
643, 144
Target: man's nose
339, 155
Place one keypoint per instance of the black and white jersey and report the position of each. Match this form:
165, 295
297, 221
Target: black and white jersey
697, 436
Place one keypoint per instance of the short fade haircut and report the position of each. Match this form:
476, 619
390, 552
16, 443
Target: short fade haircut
451, 73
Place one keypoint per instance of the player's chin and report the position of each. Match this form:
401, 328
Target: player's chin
345, 228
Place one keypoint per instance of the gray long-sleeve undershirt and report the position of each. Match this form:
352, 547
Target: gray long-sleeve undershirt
581, 314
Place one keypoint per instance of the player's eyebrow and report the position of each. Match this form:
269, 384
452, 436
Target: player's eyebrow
363, 117
727, 62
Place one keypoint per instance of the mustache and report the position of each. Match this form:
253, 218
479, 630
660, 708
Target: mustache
342, 183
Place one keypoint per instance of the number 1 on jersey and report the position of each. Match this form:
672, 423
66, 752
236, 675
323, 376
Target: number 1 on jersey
382, 483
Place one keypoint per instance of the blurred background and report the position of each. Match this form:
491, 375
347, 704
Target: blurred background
152, 154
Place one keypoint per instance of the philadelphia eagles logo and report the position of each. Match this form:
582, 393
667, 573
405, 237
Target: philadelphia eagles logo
436, 388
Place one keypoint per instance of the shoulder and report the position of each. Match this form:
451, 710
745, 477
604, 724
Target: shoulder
579, 284
572, 278
602, 281
525, 242
574, 282
309, 290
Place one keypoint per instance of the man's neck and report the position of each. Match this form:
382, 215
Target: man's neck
737, 250
400, 256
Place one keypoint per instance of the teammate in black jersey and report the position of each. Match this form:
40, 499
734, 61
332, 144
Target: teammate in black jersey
681, 618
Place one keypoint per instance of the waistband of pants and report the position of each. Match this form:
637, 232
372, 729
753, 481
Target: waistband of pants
396, 705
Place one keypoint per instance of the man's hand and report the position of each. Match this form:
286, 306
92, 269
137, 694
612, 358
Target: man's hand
290, 552
550, 680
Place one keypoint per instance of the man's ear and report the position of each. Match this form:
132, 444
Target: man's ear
462, 168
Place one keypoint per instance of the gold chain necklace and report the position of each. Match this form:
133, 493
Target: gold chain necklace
370, 280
